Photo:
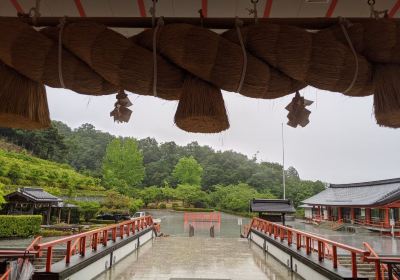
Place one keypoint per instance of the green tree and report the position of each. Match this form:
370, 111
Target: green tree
192, 195
88, 210
123, 165
2, 200
116, 203
152, 194
188, 171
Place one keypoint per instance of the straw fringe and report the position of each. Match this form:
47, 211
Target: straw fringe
387, 95
23, 102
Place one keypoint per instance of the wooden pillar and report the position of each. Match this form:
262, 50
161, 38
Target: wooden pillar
283, 218
319, 212
48, 216
339, 211
352, 215
387, 218
367, 215
69, 216
59, 216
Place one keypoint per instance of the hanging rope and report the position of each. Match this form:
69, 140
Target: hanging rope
254, 11
160, 22
63, 21
35, 12
238, 24
342, 22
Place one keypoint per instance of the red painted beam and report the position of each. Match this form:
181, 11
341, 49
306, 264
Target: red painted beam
17, 6
142, 8
394, 10
80, 8
331, 8
204, 7
267, 9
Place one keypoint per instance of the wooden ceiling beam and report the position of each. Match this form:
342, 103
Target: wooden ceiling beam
212, 23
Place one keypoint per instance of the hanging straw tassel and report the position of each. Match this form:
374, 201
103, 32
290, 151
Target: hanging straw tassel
23, 102
201, 108
387, 95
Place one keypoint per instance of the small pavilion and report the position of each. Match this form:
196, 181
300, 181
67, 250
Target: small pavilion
273, 210
29, 200
374, 205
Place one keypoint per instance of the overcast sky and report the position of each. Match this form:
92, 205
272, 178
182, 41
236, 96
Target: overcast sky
342, 143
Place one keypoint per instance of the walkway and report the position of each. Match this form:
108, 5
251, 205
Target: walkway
198, 258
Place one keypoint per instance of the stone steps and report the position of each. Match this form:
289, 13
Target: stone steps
364, 269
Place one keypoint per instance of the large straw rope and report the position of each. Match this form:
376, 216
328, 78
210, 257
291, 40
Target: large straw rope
280, 59
35, 55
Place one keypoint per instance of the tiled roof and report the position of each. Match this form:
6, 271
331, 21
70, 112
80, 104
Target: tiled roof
360, 194
272, 206
34, 194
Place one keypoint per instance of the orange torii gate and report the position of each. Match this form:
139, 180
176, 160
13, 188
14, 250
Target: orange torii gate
202, 217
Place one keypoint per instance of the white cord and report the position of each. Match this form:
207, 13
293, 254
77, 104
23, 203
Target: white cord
239, 23
354, 53
160, 22
60, 35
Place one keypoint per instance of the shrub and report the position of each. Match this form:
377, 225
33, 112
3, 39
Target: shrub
105, 222
193, 209
19, 225
175, 205
53, 232
162, 206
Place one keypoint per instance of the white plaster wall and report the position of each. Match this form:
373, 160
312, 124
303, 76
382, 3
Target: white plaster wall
308, 213
306, 272
298, 267
103, 264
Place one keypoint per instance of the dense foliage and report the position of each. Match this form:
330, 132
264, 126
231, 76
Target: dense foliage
22, 169
143, 172
19, 226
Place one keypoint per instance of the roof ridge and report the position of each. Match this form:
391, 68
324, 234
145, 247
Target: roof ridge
366, 184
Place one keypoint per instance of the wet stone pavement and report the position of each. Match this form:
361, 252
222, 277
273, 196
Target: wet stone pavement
198, 258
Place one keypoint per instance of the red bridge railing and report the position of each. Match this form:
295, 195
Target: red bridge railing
78, 243
309, 242
380, 266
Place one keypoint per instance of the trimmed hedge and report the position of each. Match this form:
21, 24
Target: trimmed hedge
193, 209
19, 225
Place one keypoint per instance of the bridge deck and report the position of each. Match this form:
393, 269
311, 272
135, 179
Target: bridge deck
198, 258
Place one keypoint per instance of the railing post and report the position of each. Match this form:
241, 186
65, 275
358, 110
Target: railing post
378, 274
308, 245
114, 234
82, 250
68, 255
320, 251
354, 265
49, 258
289, 236
298, 241
94, 242
282, 233
121, 231
390, 271
334, 256
105, 237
